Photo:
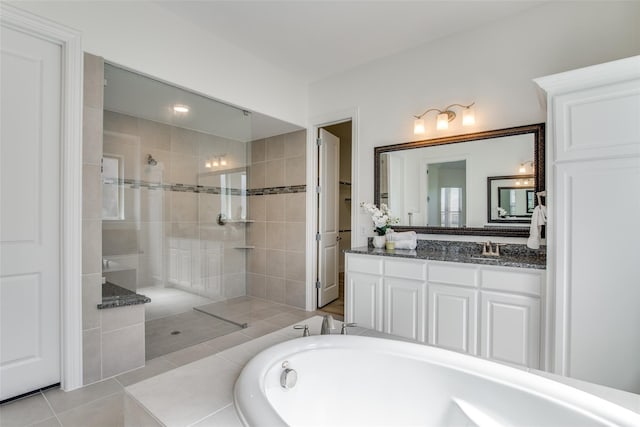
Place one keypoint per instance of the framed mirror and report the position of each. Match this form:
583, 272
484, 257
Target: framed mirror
441, 185
510, 199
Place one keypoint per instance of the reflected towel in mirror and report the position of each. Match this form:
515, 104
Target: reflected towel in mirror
538, 219
403, 240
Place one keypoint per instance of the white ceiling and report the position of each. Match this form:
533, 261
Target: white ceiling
310, 39
316, 39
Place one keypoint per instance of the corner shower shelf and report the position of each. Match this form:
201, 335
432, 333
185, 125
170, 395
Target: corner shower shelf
244, 247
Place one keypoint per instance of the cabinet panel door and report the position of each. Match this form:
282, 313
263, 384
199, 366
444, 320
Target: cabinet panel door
510, 329
363, 300
452, 318
404, 305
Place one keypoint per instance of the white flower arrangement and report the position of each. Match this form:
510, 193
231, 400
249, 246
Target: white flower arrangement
382, 218
501, 212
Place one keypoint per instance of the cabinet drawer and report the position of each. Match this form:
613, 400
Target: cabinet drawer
364, 264
453, 274
512, 281
405, 269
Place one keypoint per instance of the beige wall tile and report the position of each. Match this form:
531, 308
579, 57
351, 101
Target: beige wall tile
120, 123
234, 285
276, 238
184, 169
295, 208
233, 260
256, 208
120, 241
295, 144
184, 230
184, 207
91, 297
93, 81
258, 149
275, 263
274, 147
256, 285
121, 317
91, 356
154, 135
295, 171
257, 261
91, 246
275, 207
295, 266
275, 289
154, 205
208, 208
295, 235
256, 175
92, 135
274, 173
295, 293
122, 350
91, 192
257, 234
187, 141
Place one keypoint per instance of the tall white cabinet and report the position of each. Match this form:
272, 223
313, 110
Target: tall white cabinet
593, 186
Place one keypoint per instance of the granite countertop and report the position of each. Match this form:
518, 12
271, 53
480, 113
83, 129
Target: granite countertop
512, 255
117, 296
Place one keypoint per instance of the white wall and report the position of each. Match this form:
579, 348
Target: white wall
492, 65
147, 38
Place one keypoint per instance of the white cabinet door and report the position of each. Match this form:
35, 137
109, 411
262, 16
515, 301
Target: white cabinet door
363, 300
404, 308
510, 328
452, 318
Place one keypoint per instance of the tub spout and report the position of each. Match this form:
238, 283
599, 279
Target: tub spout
327, 325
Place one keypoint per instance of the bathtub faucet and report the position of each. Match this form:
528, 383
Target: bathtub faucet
327, 325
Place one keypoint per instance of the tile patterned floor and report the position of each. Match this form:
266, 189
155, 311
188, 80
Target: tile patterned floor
102, 404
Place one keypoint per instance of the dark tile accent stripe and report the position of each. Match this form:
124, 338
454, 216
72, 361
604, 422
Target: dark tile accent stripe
277, 190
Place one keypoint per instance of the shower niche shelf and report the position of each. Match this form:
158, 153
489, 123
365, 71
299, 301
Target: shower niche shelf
244, 247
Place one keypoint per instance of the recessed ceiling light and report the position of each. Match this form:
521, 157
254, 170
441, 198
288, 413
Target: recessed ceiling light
181, 108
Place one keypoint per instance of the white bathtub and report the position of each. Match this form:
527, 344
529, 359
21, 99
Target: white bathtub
354, 380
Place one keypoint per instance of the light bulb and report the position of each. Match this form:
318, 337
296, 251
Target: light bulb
442, 121
468, 117
418, 126
181, 108
215, 163
522, 168
223, 162
207, 164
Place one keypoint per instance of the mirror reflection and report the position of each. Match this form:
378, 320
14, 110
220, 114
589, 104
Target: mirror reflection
440, 186
510, 198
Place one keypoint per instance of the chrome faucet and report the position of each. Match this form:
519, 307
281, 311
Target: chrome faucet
327, 325
487, 248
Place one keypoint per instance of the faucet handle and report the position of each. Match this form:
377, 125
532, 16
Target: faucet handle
305, 333
345, 326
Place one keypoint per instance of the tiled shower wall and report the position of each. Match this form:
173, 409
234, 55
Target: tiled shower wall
169, 233
276, 204
113, 339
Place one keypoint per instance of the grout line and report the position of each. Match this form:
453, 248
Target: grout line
55, 415
88, 403
210, 415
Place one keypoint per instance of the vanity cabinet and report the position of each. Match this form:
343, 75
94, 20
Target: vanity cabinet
489, 311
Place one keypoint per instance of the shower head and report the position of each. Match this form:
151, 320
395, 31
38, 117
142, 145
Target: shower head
151, 161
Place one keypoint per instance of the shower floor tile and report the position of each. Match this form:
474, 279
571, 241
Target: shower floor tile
173, 333
169, 301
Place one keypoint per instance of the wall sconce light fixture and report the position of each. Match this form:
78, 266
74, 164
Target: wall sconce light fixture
523, 166
216, 161
444, 117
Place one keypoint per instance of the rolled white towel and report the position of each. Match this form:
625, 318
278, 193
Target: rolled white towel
405, 244
538, 219
405, 235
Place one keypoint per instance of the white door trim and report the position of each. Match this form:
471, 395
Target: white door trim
71, 183
312, 201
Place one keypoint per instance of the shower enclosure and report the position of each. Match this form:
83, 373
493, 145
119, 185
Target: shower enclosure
174, 205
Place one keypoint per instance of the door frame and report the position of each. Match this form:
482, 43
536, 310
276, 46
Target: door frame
318, 122
70, 43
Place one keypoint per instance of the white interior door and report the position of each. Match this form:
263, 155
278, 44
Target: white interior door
328, 247
30, 213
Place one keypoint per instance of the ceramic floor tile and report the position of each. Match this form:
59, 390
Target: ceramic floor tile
260, 328
189, 354
49, 422
198, 389
25, 411
62, 401
105, 412
226, 417
227, 341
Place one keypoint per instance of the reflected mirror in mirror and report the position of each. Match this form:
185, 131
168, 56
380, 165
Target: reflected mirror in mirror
510, 199
438, 186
